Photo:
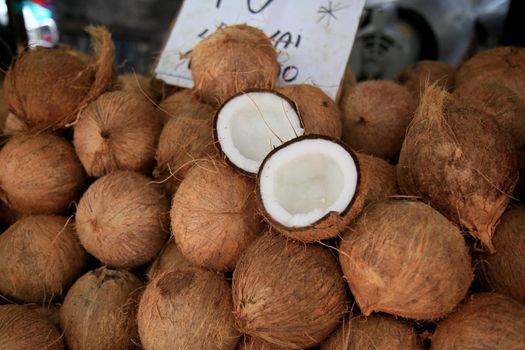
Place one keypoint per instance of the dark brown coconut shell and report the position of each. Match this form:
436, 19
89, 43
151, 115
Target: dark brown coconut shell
376, 114
187, 309
40, 257
40, 174
46, 88
170, 258
485, 321
49, 311
99, 311
380, 178
117, 131
135, 83
13, 125
249, 343
231, 60
185, 103
122, 219
24, 329
444, 161
214, 215
423, 73
287, 293
406, 259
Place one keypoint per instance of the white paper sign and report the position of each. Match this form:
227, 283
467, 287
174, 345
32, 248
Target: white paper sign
314, 37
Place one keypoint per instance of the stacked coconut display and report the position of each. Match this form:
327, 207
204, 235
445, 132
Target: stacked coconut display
245, 215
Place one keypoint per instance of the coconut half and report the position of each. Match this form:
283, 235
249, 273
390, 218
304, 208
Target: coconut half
249, 125
310, 187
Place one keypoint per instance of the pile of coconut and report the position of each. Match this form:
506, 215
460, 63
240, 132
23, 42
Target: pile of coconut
241, 214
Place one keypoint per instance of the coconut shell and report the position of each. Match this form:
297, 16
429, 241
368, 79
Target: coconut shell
187, 309
40, 174
122, 219
99, 311
118, 131
231, 60
406, 259
170, 258
214, 215
376, 114
46, 88
485, 321
13, 125
249, 343
381, 178
185, 103
423, 73
24, 329
461, 161
40, 257
48, 311
135, 83
287, 293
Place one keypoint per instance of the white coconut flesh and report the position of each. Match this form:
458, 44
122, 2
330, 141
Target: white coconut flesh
307, 179
250, 125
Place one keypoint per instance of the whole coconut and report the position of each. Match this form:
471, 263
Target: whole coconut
423, 73
380, 177
185, 103
187, 309
287, 293
485, 321
40, 174
136, 83
214, 215
249, 343
24, 329
122, 219
40, 257
406, 259
231, 60
99, 311
170, 258
117, 131
444, 161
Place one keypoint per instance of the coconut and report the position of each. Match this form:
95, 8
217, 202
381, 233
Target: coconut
374, 332
99, 311
444, 161
213, 215
420, 74
40, 257
40, 174
381, 181
249, 343
118, 131
48, 311
287, 293
46, 88
485, 321
319, 113
311, 188
24, 329
170, 258
187, 309
13, 125
135, 83
185, 103
406, 259
376, 114
122, 219
233, 59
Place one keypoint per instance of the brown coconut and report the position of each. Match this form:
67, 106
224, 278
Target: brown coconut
117, 131
376, 114
13, 125
249, 343
135, 83
46, 88
406, 259
40, 174
24, 329
185, 103
214, 215
48, 311
460, 160
40, 257
423, 73
122, 219
187, 309
170, 258
231, 60
318, 112
99, 311
485, 321
380, 177
287, 293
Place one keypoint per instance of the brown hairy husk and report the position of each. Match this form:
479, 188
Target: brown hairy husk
250, 343
50, 311
380, 177
136, 83
185, 103
169, 258
423, 73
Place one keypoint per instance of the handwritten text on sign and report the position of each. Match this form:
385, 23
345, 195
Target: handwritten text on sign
314, 37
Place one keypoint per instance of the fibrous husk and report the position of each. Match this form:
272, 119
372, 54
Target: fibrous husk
376, 114
40, 174
461, 161
170, 258
122, 219
13, 125
187, 309
485, 321
24, 329
40, 257
185, 103
161, 90
423, 73
233, 59
214, 215
48, 311
380, 177
250, 343
99, 311
136, 83
287, 293
117, 131
406, 259
46, 88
